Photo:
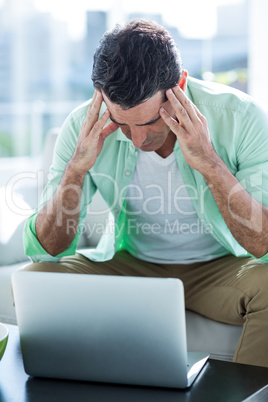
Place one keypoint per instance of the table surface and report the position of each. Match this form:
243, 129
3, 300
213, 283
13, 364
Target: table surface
218, 381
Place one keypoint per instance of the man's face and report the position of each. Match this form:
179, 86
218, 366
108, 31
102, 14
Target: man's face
142, 124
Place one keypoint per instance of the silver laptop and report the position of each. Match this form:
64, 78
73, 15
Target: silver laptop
116, 329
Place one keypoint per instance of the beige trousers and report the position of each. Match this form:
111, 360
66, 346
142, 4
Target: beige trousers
229, 289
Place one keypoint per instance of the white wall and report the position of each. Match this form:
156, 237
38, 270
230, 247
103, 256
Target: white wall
258, 50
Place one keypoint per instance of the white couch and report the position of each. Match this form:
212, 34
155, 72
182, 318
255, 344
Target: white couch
17, 201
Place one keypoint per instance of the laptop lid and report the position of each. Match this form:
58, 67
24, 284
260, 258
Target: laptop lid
116, 329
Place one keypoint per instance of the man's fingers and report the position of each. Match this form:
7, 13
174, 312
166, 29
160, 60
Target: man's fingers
92, 114
94, 110
180, 111
98, 126
182, 105
109, 129
96, 95
170, 121
188, 104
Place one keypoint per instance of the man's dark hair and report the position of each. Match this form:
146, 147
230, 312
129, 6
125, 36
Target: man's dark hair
134, 62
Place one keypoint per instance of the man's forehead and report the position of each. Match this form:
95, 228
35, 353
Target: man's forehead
141, 115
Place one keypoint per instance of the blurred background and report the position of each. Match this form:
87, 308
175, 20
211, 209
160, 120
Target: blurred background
47, 47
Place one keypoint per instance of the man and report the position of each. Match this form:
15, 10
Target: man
183, 166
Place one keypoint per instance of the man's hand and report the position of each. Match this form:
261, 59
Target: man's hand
190, 129
246, 218
92, 135
52, 222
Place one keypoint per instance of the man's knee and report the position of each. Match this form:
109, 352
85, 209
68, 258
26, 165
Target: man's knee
253, 274
253, 282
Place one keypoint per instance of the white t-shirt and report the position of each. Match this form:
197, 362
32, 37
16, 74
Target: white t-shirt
162, 224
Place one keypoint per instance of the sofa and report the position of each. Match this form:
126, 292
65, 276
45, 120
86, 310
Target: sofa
19, 197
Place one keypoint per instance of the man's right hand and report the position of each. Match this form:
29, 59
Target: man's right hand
92, 135
52, 228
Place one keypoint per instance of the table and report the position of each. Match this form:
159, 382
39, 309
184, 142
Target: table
219, 381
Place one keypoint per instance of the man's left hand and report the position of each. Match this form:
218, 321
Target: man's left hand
191, 130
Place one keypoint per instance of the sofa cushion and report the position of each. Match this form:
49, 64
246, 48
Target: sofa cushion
205, 335
14, 210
